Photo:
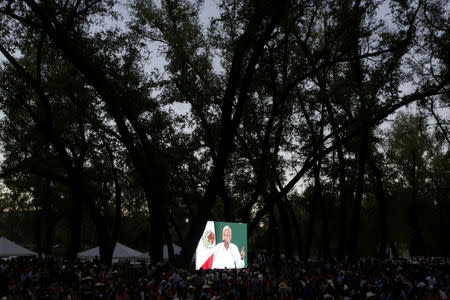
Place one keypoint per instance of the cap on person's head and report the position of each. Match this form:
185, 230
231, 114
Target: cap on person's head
226, 227
282, 285
205, 286
330, 283
370, 294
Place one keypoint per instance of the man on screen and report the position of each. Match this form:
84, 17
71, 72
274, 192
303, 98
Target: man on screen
226, 254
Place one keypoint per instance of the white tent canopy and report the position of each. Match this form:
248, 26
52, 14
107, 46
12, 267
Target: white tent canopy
120, 252
8, 248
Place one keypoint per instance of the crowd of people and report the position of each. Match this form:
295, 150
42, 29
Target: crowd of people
37, 278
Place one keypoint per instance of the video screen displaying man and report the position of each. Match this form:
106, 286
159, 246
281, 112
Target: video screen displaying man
226, 254
222, 245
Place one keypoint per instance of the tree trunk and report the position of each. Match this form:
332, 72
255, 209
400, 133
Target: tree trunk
270, 236
342, 187
311, 226
417, 246
318, 195
48, 236
443, 226
175, 226
353, 245
228, 212
75, 217
342, 205
169, 243
155, 180
275, 233
38, 220
298, 235
286, 229
380, 195
117, 198
108, 241
47, 222
156, 229
43, 214
394, 251
38, 217
106, 249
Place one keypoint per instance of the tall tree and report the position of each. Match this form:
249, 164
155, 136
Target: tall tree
407, 149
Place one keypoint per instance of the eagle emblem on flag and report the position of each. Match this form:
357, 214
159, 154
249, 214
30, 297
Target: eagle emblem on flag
208, 239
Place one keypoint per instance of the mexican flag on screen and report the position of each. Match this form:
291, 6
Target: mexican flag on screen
205, 248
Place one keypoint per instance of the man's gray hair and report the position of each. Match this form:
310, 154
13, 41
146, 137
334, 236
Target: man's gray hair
226, 228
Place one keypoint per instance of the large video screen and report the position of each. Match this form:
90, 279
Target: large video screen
223, 245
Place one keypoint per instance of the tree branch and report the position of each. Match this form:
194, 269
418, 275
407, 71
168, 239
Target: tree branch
353, 130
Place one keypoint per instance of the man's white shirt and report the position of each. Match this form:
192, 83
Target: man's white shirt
227, 258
